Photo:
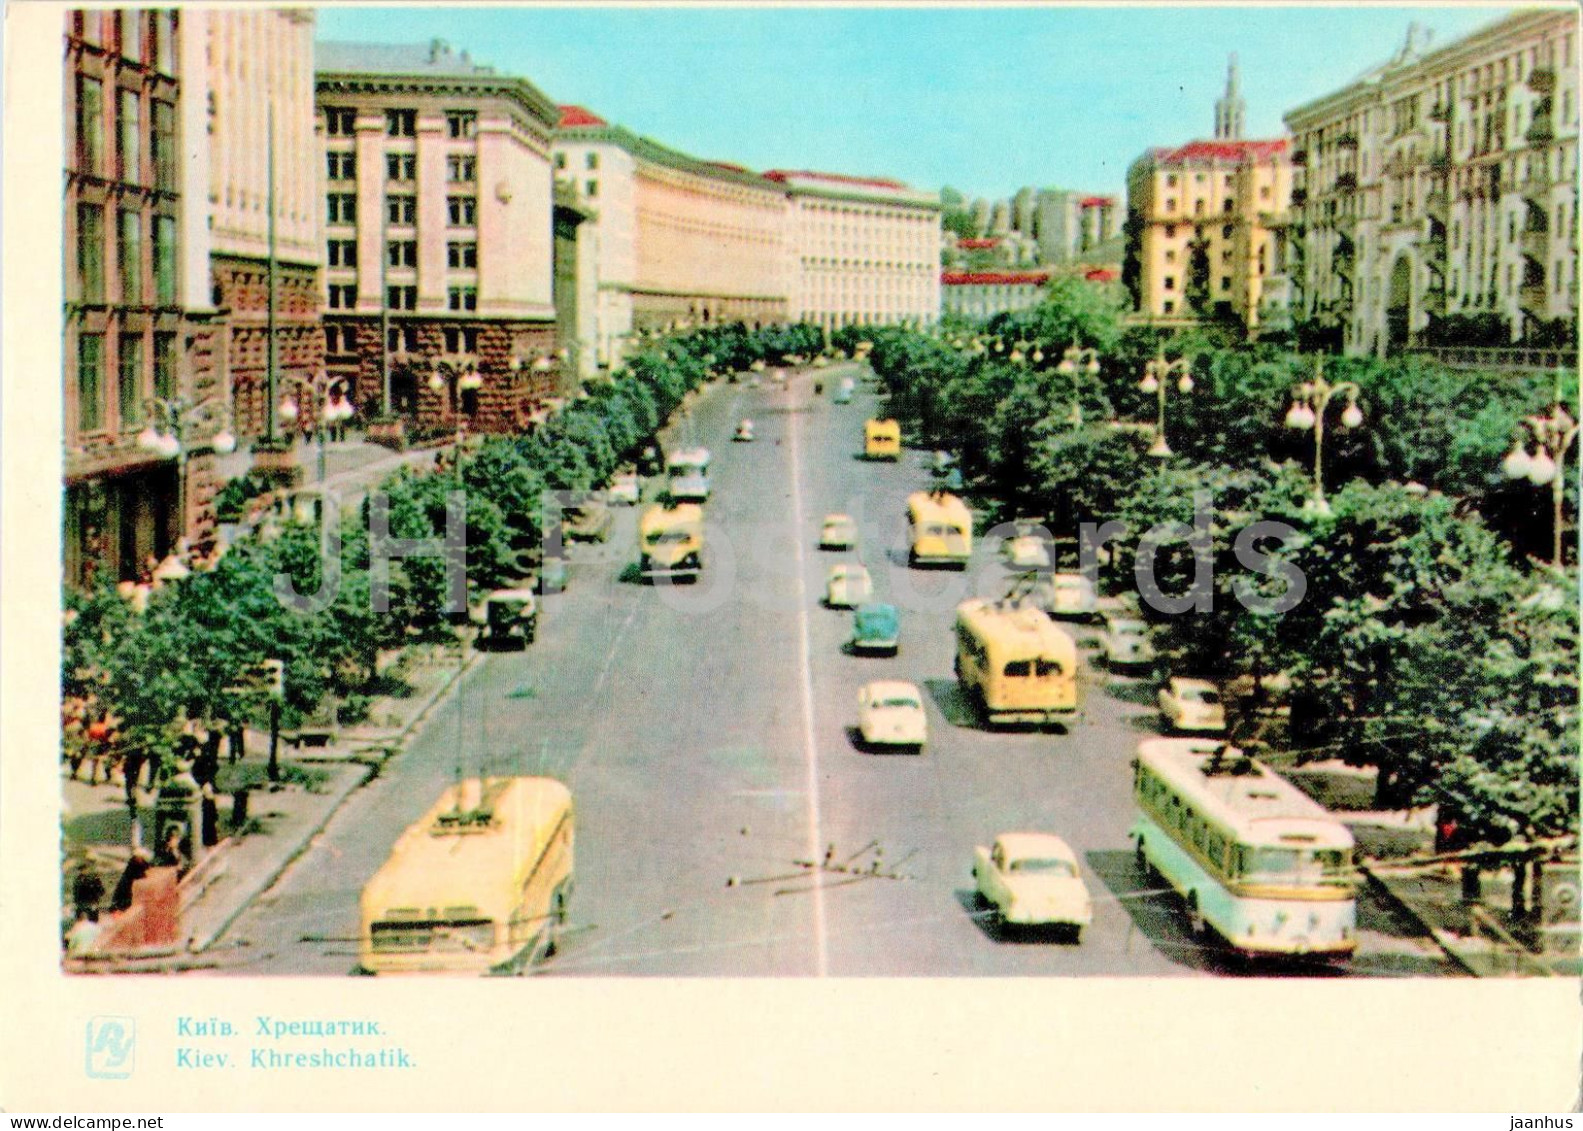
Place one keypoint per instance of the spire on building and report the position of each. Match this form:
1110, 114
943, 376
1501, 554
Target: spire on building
1230, 108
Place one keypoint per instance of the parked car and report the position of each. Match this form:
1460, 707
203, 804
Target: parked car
839, 532
587, 522
1071, 595
1032, 879
626, 489
890, 713
1192, 705
744, 432
511, 617
847, 586
1125, 642
876, 628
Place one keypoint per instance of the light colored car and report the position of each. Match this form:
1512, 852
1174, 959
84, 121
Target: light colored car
1192, 705
847, 586
839, 532
1026, 551
1032, 879
844, 391
744, 432
626, 489
1071, 595
890, 713
1125, 642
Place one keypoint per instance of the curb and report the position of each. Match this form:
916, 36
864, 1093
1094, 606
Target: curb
368, 771
1401, 904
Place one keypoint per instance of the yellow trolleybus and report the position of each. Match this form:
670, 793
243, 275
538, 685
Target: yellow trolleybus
478, 884
939, 529
1255, 860
882, 439
1014, 663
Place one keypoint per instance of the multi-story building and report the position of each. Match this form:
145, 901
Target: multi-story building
681, 240
133, 359
1442, 186
438, 231
978, 295
256, 196
1206, 224
862, 250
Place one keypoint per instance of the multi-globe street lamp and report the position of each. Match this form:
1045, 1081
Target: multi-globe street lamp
1157, 376
1310, 400
170, 434
334, 409
1553, 437
1077, 357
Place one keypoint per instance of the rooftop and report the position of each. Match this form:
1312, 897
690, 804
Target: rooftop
580, 116
1220, 150
436, 57
993, 278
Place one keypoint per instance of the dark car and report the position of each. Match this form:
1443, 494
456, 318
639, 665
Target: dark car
876, 628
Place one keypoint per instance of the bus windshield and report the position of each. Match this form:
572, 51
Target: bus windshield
1325, 865
668, 537
1045, 867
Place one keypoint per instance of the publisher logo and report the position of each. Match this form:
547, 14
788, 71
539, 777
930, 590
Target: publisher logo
111, 1041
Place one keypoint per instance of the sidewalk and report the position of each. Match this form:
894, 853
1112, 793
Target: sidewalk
351, 466
283, 817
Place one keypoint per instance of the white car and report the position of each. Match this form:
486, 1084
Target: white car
1192, 705
744, 433
839, 532
1026, 552
626, 489
890, 713
847, 586
1125, 642
1032, 879
1072, 595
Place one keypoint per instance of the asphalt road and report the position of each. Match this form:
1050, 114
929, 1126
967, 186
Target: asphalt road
728, 824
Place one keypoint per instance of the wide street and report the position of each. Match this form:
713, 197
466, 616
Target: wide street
705, 733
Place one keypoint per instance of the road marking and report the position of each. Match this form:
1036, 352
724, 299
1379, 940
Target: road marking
805, 660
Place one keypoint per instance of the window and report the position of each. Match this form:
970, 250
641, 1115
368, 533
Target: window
1231, 203
459, 168
401, 123
463, 211
401, 166
340, 121
461, 339
461, 123
1225, 255
340, 339
90, 252
91, 31
1170, 282
1225, 282
1198, 208
1170, 231
591, 189
342, 208
164, 44
401, 210
1170, 255
165, 260
163, 147
342, 296
129, 133
1170, 180
461, 255
402, 339
1168, 307
341, 253
90, 126
591, 160
401, 298
164, 366
341, 166
129, 252
560, 160
129, 383
90, 382
1170, 204
463, 298
401, 253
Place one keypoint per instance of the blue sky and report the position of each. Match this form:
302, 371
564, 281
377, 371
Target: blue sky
985, 99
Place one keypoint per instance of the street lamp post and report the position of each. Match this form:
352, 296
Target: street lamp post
1076, 357
167, 435
1157, 376
1553, 436
1307, 413
334, 408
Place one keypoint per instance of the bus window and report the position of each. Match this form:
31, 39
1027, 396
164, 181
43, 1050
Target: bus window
1269, 863
1047, 668
1019, 668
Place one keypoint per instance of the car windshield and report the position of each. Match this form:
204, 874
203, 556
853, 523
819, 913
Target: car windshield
1047, 866
668, 537
1202, 695
902, 701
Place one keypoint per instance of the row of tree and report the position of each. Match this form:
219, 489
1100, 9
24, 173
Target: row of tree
1426, 643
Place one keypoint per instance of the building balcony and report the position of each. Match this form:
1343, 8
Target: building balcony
1535, 243
1348, 140
1542, 80
1347, 182
1531, 297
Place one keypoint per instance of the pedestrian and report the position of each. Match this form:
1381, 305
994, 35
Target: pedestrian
170, 853
83, 937
87, 888
136, 868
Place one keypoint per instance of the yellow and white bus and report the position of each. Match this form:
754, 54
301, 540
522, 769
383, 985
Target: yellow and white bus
1257, 861
671, 542
882, 439
1014, 664
939, 530
478, 884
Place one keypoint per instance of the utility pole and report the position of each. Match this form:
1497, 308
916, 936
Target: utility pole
269, 392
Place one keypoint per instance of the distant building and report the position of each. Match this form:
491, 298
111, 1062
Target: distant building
1206, 225
439, 261
131, 350
681, 241
1443, 185
978, 295
863, 250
